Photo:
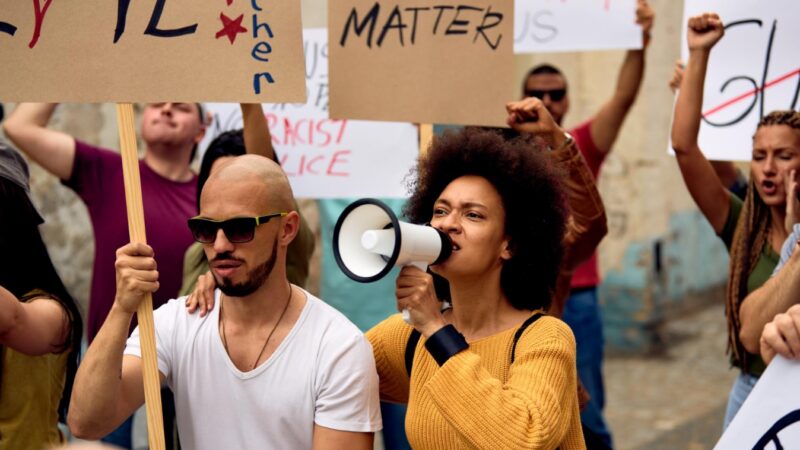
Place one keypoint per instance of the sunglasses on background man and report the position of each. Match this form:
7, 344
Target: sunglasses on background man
555, 95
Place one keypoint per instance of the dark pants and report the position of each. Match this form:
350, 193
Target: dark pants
582, 314
394, 426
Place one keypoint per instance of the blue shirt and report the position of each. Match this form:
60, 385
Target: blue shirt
788, 248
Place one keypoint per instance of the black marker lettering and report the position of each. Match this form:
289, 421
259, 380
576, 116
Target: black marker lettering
7, 28
414, 25
369, 19
460, 23
746, 111
122, 18
399, 26
441, 9
766, 69
480, 31
152, 27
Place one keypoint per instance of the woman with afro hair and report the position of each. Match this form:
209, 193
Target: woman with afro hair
490, 370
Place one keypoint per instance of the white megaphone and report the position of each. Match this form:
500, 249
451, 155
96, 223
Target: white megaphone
368, 241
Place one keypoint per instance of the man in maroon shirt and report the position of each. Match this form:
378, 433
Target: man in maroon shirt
171, 132
594, 137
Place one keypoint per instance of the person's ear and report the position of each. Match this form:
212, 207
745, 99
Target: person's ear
506, 253
290, 225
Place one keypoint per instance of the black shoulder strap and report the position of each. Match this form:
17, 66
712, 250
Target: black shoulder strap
411, 349
521, 330
413, 339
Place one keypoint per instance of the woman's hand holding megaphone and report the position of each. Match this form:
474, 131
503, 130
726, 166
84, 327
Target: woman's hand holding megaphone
529, 115
416, 294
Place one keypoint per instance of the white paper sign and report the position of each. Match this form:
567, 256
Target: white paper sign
770, 417
753, 70
575, 25
326, 158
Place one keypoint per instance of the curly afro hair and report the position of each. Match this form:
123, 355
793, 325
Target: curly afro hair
533, 199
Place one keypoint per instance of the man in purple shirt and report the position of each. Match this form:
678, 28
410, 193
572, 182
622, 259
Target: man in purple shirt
171, 132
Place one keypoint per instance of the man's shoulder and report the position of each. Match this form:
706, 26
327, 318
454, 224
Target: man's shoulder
329, 317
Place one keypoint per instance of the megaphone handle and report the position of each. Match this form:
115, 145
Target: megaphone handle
423, 266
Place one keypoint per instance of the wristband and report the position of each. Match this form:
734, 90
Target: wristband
445, 343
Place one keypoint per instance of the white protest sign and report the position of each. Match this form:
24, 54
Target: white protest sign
326, 158
575, 25
753, 70
770, 417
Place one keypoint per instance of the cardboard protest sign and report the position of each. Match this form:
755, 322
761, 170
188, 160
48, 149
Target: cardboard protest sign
575, 25
770, 417
410, 60
162, 50
329, 158
753, 70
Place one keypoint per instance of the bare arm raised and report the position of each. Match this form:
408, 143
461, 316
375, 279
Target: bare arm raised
27, 128
607, 122
257, 139
108, 386
705, 188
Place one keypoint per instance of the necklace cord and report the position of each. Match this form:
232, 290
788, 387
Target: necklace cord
269, 336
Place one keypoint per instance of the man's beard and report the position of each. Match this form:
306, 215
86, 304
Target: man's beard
255, 278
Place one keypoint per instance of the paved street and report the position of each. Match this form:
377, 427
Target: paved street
675, 400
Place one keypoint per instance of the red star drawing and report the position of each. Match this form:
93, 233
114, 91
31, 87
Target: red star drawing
230, 27
229, 2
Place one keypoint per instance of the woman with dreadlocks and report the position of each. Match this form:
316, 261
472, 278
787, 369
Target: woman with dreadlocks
755, 229
40, 326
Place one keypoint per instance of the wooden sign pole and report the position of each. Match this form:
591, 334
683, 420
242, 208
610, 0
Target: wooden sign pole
425, 137
133, 200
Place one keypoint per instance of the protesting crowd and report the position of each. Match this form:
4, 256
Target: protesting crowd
500, 345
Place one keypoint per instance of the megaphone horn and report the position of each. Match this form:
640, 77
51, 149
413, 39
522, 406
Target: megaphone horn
368, 240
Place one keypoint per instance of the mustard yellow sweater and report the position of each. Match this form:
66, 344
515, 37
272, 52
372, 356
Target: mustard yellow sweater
478, 399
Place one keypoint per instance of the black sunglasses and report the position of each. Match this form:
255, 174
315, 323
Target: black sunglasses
556, 95
237, 229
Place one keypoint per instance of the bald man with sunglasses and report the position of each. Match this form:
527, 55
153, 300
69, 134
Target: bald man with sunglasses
595, 137
271, 367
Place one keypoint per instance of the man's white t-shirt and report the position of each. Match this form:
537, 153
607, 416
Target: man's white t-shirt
322, 373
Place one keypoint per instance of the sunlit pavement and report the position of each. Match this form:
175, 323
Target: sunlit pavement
676, 399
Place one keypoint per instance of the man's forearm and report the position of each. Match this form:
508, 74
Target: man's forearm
630, 78
774, 297
97, 392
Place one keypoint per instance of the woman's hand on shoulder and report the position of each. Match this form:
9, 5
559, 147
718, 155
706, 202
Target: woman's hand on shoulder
415, 292
203, 295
